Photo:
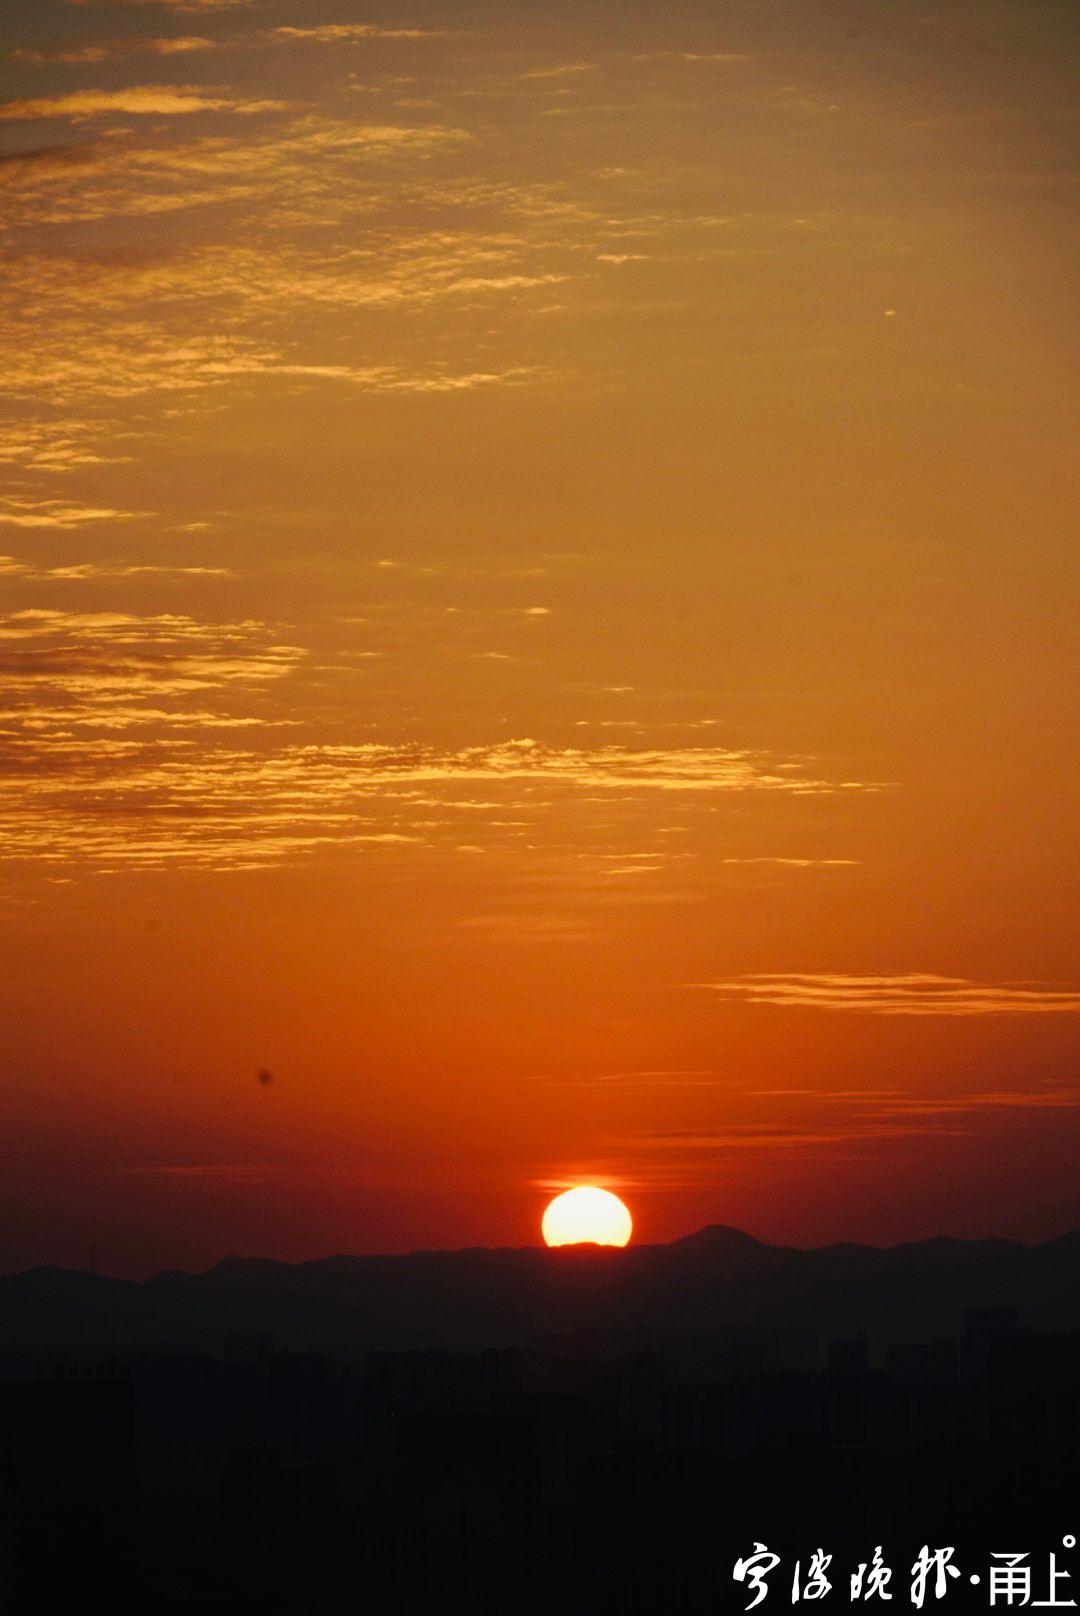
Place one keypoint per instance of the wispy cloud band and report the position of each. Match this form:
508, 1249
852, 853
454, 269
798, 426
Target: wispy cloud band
896, 994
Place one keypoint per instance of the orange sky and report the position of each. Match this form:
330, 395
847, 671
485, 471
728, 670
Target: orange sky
538, 606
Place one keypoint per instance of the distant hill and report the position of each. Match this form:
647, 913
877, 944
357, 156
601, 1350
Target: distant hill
716, 1279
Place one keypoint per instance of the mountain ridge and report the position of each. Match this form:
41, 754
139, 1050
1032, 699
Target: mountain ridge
711, 1238
717, 1279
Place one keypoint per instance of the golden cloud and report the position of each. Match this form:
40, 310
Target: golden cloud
78, 53
899, 994
94, 768
147, 100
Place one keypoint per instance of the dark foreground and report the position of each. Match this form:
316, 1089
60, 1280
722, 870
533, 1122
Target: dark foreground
698, 1406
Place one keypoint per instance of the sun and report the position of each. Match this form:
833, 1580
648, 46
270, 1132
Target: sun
585, 1215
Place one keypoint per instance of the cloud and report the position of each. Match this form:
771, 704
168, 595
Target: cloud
43, 161
93, 659
94, 571
132, 361
564, 70
798, 863
1060, 1099
168, 5
85, 330
854, 1124
338, 33
721, 57
764, 1137
663, 1076
63, 446
147, 100
76, 53
57, 513
87, 51
388, 271
911, 994
605, 768
96, 768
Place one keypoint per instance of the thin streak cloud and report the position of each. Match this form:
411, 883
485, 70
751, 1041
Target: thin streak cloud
95, 571
147, 100
168, 5
79, 53
344, 33
57, 513
899, 994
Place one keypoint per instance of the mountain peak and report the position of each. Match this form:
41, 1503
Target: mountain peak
719, 1237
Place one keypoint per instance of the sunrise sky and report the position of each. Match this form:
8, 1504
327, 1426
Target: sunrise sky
539, 621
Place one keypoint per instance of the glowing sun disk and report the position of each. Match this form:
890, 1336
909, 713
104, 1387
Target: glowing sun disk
586, 1214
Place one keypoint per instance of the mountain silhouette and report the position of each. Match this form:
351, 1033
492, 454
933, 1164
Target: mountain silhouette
717, 1278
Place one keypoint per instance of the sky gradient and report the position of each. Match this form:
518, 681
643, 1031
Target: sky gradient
538, 622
